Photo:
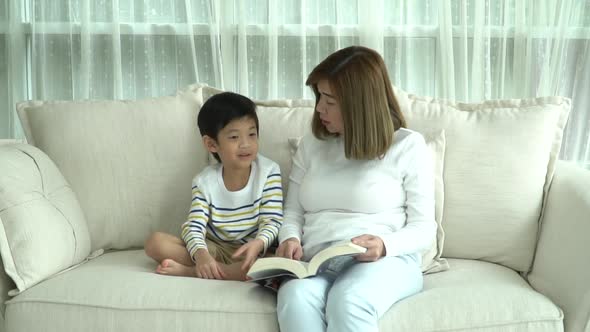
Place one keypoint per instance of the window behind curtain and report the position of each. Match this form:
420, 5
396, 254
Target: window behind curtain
466, 50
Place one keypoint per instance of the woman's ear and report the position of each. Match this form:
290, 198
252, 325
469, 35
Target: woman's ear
210, 144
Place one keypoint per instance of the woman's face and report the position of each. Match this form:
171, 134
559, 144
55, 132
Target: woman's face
328, 109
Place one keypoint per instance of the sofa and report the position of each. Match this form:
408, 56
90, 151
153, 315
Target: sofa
96, 177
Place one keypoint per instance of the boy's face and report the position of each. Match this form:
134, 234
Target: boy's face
236, 144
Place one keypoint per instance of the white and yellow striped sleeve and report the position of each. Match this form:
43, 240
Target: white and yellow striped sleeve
271, 208
194, 229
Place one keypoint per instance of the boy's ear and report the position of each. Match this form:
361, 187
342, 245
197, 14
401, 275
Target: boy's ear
210, 144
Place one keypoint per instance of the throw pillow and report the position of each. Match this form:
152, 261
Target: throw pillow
431, 259
42, 227
499, 161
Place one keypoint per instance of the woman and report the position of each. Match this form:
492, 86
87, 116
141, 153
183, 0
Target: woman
361, 176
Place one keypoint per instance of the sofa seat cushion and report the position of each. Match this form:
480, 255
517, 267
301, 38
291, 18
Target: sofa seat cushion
475, 296
119, 291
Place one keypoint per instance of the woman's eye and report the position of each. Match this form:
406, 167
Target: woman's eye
329, 101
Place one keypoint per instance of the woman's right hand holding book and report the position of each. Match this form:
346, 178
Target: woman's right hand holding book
290, 248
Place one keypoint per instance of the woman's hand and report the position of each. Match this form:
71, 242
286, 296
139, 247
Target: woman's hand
290, 248
375, 247
206, 267
250, 250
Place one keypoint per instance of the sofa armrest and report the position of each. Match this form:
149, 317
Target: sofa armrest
6, 284
561, 270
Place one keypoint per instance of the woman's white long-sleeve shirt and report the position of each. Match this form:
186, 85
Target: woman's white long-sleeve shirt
332, 198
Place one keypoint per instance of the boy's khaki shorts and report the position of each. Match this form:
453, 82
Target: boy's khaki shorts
222, 251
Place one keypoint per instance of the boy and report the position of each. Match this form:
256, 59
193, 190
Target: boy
236, 209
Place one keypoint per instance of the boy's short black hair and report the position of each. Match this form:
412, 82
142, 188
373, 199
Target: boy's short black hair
219, 110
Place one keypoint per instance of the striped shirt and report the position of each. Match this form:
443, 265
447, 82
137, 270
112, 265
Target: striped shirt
253, 212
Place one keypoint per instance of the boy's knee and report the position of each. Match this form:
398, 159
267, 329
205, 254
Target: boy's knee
151, 244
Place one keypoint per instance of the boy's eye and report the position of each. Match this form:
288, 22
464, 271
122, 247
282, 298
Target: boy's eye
233, 137
253, 134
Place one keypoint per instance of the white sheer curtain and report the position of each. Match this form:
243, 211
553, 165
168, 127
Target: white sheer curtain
466, 50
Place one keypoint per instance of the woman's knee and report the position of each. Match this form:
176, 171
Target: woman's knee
290, 291
346, 304
300, 293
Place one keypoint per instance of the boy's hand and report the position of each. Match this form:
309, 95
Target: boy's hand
290, 248
250, 251
207, 267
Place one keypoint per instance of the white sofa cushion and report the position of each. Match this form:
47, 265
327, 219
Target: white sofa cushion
474, 296
561, 270
431, 259
130, 162
499, 161
280, 121
129, 296
42, 227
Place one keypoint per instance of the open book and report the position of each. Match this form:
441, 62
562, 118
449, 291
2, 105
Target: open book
333, 258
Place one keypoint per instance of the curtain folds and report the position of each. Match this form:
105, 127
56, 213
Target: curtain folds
465, 50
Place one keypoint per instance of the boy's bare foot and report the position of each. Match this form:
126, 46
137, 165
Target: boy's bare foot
173, 268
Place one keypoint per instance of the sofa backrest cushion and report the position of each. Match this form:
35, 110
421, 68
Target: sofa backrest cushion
129, 162
499, 161
42, 227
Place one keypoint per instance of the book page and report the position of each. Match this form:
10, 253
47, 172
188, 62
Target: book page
346, 248
277, 266
337, 264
